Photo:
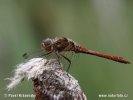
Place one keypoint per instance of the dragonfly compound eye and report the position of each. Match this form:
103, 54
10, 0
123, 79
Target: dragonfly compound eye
47, 44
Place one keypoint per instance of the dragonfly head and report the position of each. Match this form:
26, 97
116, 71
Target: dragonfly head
47, 44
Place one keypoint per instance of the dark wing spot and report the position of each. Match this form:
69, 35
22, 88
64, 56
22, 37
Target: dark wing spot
25, 56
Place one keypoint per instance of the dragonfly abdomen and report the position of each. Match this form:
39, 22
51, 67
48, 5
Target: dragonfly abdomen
81, 49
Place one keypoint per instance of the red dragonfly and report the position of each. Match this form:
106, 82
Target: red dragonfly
63, 44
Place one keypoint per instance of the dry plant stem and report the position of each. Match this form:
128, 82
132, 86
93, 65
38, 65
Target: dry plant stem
50, 81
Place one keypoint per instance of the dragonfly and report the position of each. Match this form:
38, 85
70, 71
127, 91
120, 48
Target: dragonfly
63, 44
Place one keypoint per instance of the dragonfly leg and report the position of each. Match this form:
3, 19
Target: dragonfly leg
68, 61
45, 54
58, 57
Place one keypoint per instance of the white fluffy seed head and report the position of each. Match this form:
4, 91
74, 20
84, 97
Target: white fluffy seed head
29, 69
55, 82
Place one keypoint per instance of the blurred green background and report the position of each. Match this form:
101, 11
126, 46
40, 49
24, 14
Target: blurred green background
101, 25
